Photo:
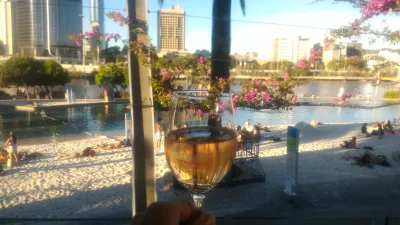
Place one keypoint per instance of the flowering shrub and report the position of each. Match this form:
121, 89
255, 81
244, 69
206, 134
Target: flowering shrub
273, 93
342, 99
119, 18
315, 55
359, 27
377, 7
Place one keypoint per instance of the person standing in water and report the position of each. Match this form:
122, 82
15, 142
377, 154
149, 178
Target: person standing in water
12, 149
159, 130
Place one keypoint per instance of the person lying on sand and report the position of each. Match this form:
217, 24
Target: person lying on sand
349, 144
87, 152
315, 123
116, 145
28, 156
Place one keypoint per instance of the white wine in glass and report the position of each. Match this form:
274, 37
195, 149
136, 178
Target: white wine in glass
201, 142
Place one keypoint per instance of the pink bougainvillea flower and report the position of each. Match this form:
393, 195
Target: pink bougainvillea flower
201, 60
276, 84
285, 76
266, 96
295, 100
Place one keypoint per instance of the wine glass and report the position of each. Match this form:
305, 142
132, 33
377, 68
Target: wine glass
200, 145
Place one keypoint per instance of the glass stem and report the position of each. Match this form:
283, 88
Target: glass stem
198, 200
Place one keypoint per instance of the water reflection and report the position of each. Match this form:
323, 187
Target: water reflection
82, 122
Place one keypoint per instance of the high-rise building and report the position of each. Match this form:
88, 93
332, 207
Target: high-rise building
283, 49
302, 48
8, 33
171, 30
292, 49
97, 17
43, 27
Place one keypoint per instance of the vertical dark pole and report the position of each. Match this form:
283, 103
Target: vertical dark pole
221, 39
143, 174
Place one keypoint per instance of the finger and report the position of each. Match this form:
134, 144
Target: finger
184, 210
201, 217
168, 213
138, 219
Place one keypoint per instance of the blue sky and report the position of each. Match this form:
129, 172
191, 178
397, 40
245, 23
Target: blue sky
252, 36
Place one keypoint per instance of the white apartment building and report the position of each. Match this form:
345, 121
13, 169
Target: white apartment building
302, 48
291, 49
283, 49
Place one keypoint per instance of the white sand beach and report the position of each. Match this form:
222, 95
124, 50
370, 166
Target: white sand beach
100, 186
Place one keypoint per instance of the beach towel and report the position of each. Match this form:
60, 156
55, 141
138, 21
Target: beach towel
395, 132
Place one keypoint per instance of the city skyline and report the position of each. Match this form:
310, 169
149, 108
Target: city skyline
40, 28
255, 32
264, 22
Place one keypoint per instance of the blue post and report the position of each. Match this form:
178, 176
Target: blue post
292, 160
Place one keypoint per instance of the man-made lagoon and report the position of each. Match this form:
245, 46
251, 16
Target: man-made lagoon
81, 122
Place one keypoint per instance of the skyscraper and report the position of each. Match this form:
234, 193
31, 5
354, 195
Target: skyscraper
171, 30
43, 27
8, 33
97, 16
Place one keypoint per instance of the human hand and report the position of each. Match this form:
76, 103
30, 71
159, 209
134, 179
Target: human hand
167, 213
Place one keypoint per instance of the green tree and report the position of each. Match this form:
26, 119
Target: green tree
54, 75
119, 72
233, 62
355, 63
21, 71
334, 64
203, 52
112, 55
253, 65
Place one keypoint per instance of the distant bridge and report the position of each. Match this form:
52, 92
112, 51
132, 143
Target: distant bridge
247, 77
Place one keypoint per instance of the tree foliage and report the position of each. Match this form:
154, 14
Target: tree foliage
360, 27
119, 72
113, 55
21, 71
54, 75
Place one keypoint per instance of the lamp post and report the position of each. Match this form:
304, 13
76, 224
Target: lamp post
83, 54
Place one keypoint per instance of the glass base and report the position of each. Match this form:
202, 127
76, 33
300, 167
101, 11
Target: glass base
198, 200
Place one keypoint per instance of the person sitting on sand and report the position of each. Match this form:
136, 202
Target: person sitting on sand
117, 145
349, 144
364, 130
87, 152
388, 126
378, 132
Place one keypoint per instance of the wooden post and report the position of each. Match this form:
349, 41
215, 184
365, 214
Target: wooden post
143, 174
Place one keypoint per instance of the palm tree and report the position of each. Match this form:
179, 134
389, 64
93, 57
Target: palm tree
221, 37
